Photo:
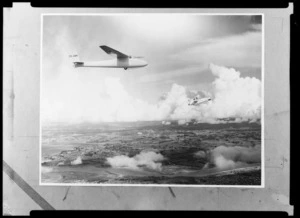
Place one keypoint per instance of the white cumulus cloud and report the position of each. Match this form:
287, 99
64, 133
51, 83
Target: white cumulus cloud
148, 159
229, 157
77, 161
233, 96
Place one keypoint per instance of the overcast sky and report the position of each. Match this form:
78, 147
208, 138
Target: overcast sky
178, 49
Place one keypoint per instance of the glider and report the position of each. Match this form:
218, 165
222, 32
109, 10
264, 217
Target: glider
121, 60
197, 101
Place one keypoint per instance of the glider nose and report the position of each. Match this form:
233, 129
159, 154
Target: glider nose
138, 63
144, 63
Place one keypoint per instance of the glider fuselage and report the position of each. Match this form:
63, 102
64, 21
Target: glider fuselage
114, 63
121, 61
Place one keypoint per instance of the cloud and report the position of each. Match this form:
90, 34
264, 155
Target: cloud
233, 97
256, 27
166, 122
77, 161
172, 74
201, 154
46, 169
229, 157
150, 160
243, 50
99, 95
223, 163
75, 101
182, 122
163, 30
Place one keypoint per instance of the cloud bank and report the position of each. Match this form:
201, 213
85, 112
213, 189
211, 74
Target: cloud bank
75, 101
150, 160
233, 97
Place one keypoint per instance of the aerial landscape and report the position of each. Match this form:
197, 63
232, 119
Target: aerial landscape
178, 103
152, 153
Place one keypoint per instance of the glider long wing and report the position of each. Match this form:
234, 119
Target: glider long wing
111, 51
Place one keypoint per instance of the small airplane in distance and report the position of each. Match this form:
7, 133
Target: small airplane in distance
121, 60
197, 101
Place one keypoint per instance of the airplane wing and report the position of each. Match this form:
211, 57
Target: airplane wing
111, 51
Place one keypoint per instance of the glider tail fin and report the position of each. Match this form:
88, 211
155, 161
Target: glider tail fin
75, 59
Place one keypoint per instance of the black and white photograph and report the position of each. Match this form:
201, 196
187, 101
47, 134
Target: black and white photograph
152, 99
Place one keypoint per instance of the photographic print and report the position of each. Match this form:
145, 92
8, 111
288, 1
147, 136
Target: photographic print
152, 99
